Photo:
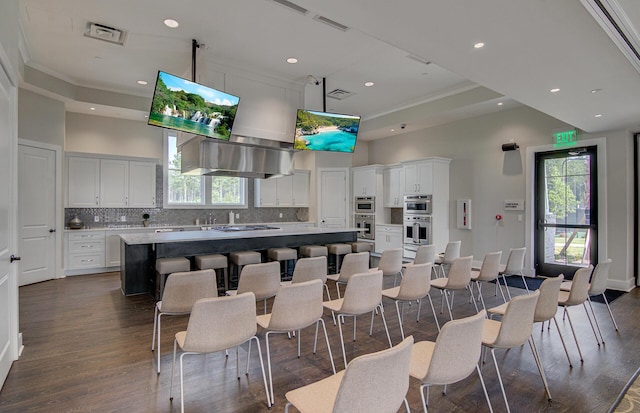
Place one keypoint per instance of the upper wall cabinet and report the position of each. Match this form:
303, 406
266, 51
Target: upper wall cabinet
366, 180
418, 177
286, 191
393, 184
110, 183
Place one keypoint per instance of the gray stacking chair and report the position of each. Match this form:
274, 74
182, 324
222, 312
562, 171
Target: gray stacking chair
489, 271
263, 280
353, 263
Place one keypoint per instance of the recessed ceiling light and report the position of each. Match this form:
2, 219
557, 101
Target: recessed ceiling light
292, 60
596, 90
555, 90
141, 82
479, 45
171, 23
369, 84
500, 103
92, 108
598, 115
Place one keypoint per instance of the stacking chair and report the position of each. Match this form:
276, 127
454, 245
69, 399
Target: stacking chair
514, 330
353, 263
459, 278
296, 306
181, 291
546, 308
217, 324
362, 295
424, 254
515, 266
597, 286
452, 358
451, 252
489, 271
376, 382
308, 269
391, 263
263, 280
415, 285
578, 295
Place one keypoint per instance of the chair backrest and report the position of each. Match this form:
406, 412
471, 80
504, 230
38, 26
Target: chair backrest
363, 293
457, 350
376, 382
220, 323
490, 266
308, 269
517, 321
599, 278
353, 263
425, 253
183, 289
515, 261
391, 261
459, 274
297, 306
580, 286
547, 305
261, 279
451, 251
416, 282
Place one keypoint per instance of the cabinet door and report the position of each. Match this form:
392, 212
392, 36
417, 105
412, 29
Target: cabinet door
112, 255
364, 182
393, 183
285, 191
114, 183
265, 192
424, 178
142, 184
301, 189
83, 182
410, 179
395, 238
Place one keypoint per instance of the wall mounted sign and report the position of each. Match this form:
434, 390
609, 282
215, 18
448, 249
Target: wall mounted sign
566, 138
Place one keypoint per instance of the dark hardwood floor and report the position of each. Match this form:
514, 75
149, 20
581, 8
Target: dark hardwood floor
87, 349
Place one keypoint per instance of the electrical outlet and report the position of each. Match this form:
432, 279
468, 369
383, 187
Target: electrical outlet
96, 218
280, 215
237, 216
123, 218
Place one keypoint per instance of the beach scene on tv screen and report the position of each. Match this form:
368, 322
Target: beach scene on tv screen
320, 131
193, 108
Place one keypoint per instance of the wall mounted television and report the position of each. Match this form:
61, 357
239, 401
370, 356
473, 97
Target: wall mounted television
323, 131
191, 107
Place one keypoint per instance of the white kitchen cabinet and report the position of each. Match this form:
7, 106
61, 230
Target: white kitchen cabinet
388, 237
83, 183
286, 191
142, 184
365, 180
84, 250
114, 183
112, 250
418, 178
393, 184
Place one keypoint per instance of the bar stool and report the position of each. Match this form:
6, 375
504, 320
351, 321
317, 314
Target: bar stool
339, 250
166, 266
215, 262
241, 258
362, 246
283, 255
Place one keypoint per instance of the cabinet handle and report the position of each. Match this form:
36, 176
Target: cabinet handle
153, 201
97, 203
126, 200
86, 260
86, 246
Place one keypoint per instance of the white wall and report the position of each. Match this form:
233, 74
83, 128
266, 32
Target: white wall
40, 118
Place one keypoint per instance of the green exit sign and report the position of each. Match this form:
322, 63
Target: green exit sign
565, 138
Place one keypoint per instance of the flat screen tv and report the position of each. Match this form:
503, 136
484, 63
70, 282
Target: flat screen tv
322, 131
191, 107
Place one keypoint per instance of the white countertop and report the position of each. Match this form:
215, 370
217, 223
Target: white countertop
126, 227
209, 235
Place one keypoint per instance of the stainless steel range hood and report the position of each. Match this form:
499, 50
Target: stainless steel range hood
241, 156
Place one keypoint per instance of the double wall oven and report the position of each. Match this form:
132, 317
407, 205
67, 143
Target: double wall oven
364, 216
416, 219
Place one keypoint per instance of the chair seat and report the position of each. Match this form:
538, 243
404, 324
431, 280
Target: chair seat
361, 246
321, 394
171, 265
245, 257
500, 310
421, 354
282, 254
475, 275
391, 293
490, 331
333, 277
212, 262
333, 305
440, 283
339, 249
263, 320
159, 305
313, 251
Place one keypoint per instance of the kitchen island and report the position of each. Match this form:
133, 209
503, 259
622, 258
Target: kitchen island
138, 252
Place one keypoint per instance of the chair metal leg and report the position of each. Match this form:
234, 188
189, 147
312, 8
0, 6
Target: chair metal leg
373, 313
315, 341
344, 353
399, 320
433, 310
173, 366
384, 321
504, 394
286, 407
480, 295
326, 288
506, 286
269, 365
158, 346
536, 356
181, 384
524, 282
591, 323
610, 313
155, 321
574, 333
595, 319
562, 341
468, 287
446, 297
425, 399
264, 378
326, 339
484, 388
406, 405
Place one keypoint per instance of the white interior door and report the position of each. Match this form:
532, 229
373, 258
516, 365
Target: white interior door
36, 214
334, 187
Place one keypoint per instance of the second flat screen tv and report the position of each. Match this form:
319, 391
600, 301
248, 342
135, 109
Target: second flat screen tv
322, 131
191, 107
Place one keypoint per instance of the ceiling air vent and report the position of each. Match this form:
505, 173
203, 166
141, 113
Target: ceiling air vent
339, 94
330, 22
292, 6
105, 33
418, 59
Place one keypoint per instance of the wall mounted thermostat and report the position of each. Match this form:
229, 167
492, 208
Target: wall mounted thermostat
463, 213
514, 205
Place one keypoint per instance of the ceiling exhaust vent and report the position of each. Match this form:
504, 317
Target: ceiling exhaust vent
339, 94
418, 59
330, 22
292, 6
106, 33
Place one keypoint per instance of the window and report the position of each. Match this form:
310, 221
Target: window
189, 191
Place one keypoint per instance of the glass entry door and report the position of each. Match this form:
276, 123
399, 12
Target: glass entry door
566, 211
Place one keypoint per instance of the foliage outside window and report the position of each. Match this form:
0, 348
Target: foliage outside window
199, 191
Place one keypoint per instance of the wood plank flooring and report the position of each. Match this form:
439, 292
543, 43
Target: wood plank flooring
87, 349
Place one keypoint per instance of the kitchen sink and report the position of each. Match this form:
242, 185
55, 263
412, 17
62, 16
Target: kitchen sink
237, 228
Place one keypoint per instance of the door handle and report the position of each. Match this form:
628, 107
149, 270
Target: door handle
52, 230
14, 258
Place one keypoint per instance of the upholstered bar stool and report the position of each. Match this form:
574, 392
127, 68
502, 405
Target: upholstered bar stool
241, 258
284, 256
166, 266
339, 250
311, 251
217, 262
362, 246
